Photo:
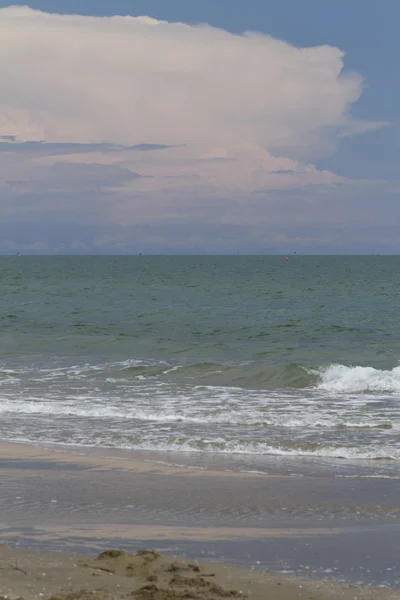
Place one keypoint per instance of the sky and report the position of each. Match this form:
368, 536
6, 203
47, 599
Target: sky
181, 126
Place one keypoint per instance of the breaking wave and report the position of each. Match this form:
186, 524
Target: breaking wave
338, 411
352, 380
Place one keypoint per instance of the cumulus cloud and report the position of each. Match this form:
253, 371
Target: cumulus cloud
129, 134
129, 80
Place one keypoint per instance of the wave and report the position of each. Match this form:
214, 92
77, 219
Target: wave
350, 380
284, 450
219, 446
344, 412
249, 375
170, 411
335, 378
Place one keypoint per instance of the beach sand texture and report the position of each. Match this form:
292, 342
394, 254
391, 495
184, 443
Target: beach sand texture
115, 574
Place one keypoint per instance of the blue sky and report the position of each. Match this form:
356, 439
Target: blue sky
367, 31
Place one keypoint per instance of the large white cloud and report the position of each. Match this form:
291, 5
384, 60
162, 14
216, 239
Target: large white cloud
241, 117
129, 80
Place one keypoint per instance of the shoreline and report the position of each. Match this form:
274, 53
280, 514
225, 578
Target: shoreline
219, 464
58, 500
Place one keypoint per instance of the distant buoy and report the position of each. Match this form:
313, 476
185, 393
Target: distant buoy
286, 258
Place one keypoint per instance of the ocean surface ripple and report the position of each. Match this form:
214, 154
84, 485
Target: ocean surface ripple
221, 355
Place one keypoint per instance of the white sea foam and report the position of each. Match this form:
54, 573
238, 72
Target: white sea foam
220, 447
191, 446
350, 412
160, 402
350, 380
185, 410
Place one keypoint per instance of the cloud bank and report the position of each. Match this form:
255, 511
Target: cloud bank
128, 80
188, 199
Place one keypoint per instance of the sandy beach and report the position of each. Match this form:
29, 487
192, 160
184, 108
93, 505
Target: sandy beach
265, 536
149, 576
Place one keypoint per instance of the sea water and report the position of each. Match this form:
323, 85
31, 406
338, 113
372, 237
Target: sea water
232, 355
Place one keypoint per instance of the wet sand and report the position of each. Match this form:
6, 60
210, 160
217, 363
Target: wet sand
312, 527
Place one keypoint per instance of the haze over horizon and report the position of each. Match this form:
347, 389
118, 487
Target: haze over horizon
183, 129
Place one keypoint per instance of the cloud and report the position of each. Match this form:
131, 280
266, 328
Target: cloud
126, 80
189, 199
129, 134
201, 168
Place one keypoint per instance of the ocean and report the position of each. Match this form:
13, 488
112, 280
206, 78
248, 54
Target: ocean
228, 356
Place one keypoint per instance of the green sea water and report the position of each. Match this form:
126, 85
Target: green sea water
251, 355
